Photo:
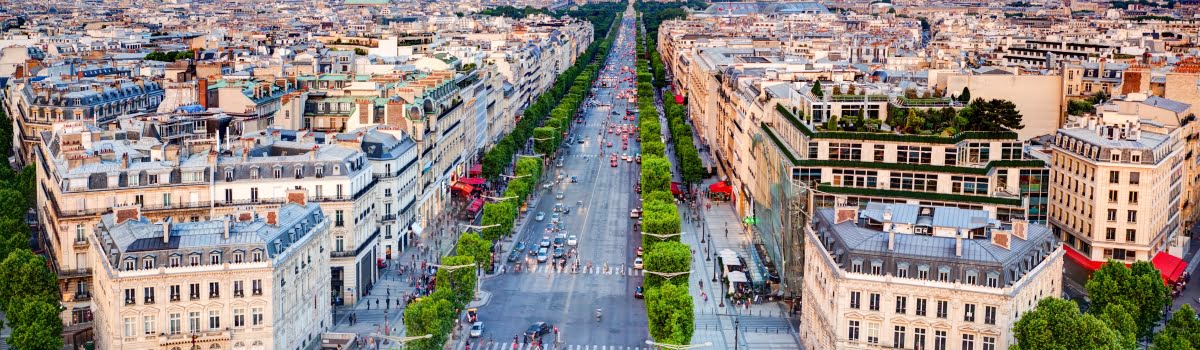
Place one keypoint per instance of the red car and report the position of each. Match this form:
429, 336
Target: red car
610, 144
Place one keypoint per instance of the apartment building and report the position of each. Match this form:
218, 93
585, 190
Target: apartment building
262, 170
393, 158
240, 282
922, 277
1116, 188
95, 96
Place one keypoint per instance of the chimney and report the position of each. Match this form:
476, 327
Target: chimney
958, 244
273, 217
166, 227
1020, 229
892, 239
245, 154
79, 75
846, 213
125, 161
228, 223
202, 92
1001, 238
126, 213
299, 197
196, 57
313, 155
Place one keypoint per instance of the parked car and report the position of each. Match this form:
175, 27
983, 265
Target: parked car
540, 216
639, 251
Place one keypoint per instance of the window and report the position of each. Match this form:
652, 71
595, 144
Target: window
1133, 197
254, 173
214, 319
968, 342
1130, 235
943, 309
874, 301
902, 270
130, 296
855, 300
174, 323
969, 185
1131, 216
339, 191
901, 304
919, 338
913, 182
80, 233
214, 289
194, 259
845, 151
130, 326
898, 337
148, 295
194, 321
914, 154
1112, 196
256, 316
939, 340
299, 172
855, 178
338, 219
148, 322
1110, 234
853, 331
277, 172
944, 274
989, 315
1114, 177
194, 291
923, 272
214, 259
257, 286
339, 244
922, 306
174, 292
989, 343
880, 151
877, 267
238, 292
856, 265
130, 264
173, 260
239, 257
993, 280
1112, 215
969, 312
239, 317
972, 277
873, 333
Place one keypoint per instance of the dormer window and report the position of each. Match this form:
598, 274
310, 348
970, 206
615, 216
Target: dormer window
148, 263
194, 260
228, 174
902, 270
254, 173
238, 257
299, 171
972, 277
130, 265
320, 170
944, 274
173, 261
923, 272
876, 267
277, 173
214, 259
856, 265
256, 256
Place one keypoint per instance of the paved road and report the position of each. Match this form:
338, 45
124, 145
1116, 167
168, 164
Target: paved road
544, 293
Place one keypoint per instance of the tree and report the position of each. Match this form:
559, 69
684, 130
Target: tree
545, 140
502, 214
1057, 324
470, 244
992, 115
816, 89
837, 90
360, 51
428, 316
1182, 331
965, 96
24, 273
13, 204
656, 174
667, 257
670, 314
460, 282
1139, 290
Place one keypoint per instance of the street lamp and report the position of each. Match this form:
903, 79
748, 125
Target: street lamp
667, 275
402, 340
510, 177
480, 228
498, 198
662, 236
678, 347
535, 155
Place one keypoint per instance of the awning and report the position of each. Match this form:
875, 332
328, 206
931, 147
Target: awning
476, 169
678, 99
473, 181
675, 189
720, 187
416, 228
737, 277
1170, 266
464, 188
478, 203
1082, 260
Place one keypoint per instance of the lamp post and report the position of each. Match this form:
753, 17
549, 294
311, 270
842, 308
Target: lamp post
667, 275
401, 340
498, 199
662, 236
678, 347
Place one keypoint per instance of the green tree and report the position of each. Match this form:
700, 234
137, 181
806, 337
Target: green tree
501, 213
470, 244
35, 323
670, 314
460, 282
1057, 324
667, 257
360, 51
992, 115
1138, 289
428, 316
1181, 332
816, 89
24, 273
13, 204
965, 96
545, 140
656, 174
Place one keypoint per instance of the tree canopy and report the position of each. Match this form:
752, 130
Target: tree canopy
1057, 324
1138, 289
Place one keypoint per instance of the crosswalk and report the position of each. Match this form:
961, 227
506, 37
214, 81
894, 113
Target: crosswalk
597, 270
475, 345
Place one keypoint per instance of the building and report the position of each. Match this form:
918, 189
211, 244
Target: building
393, 158
922, 277
252, 282
1116, 187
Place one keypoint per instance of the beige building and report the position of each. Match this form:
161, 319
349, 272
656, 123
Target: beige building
1116, 187
242, 282
921, 277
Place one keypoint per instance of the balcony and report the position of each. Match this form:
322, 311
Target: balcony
74, 273
342, 254
81, 243
389, 218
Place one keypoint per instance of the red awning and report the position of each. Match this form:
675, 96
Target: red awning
678, 99
1170, 266
675, 189
476, 169
464, 188
720, 187
478, 203
473, 181
1082, 260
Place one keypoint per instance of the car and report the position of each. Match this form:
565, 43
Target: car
545, 242
637, 293
554, 217
625, 147
477, 329
538, 329
560, 195
558, 252
542, 254
560, 164
572, 241
559, 240
613, 162
637, 263
516, 252
580, 141
635, 213
566, 211
639, 251
610, 144
540, 216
